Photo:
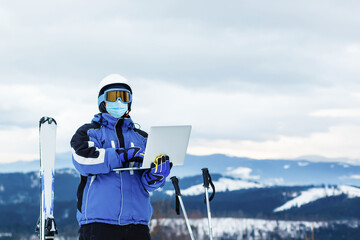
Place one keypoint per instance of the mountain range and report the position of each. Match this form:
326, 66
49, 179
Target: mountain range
19, 188
235, 198
247, 191
270, 172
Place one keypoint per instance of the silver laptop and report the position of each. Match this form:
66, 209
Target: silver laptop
170, 140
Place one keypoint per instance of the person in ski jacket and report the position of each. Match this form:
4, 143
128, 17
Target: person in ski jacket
114, 205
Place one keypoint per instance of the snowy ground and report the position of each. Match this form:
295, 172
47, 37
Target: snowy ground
242, 228
5, 235
236, 228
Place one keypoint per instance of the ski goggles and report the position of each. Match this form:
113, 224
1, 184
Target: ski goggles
113, 95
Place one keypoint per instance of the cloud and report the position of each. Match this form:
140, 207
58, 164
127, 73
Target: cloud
274, 181
337, 113
19, 144
337, 142
353, 177
303, 164
289, 45
259, 79
22, 106
235, 116
286, 166
242, 172
235, 123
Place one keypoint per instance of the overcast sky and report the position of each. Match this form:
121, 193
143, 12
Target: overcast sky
258, 79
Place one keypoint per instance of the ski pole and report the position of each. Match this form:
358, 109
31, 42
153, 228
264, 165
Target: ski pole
207, 181
175, 182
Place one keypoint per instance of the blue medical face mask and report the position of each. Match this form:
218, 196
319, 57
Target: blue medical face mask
116, 109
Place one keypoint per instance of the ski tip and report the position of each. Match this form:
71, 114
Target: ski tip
50, 120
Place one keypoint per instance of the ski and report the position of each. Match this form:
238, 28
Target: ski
47, 141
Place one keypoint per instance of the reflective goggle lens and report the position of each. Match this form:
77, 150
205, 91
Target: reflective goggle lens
112, 96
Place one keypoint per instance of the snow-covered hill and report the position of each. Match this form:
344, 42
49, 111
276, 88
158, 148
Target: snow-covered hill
223, 184
297, 197
313, 194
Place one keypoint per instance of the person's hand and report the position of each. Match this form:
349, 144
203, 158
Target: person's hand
133, 156
159, 170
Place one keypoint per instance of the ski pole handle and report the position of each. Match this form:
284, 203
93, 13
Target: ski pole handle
205, 173
175, 182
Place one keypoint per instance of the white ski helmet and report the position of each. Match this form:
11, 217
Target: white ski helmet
112, 81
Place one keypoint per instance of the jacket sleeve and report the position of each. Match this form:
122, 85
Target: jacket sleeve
88, 157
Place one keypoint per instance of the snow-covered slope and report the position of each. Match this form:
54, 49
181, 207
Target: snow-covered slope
223, 184
317, 193
245, 228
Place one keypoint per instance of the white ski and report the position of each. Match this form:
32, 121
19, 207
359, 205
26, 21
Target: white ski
47, 131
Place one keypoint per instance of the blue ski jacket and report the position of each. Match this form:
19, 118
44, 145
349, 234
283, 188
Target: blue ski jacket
103, 195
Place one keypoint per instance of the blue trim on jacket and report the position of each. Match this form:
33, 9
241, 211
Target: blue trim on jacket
107, 196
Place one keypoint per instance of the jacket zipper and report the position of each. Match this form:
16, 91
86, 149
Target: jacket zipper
122, 196
87, 196
121, 141
119, 134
